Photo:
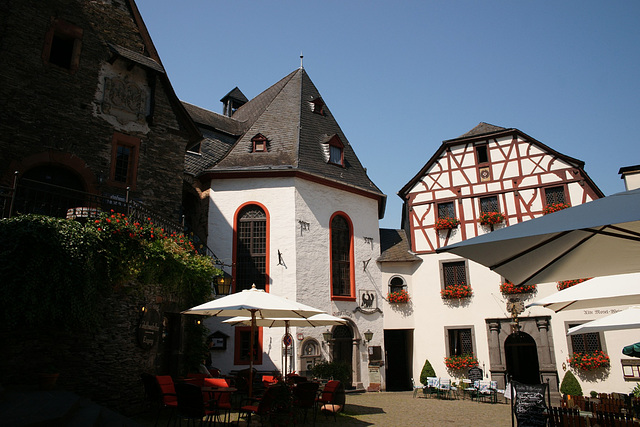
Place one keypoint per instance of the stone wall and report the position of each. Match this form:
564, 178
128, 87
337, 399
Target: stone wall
104, 365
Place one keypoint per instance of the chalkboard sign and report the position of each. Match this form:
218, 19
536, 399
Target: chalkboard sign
475, 374
529, 405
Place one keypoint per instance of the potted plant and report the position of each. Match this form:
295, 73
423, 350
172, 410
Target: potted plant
48, 377
589, 361
446, 223
456, 291
508, 288
490, 218
555, 207
401, 296
458, 363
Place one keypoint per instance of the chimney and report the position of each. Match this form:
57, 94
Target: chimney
631, 176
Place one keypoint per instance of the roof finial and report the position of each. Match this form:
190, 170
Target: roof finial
301, 56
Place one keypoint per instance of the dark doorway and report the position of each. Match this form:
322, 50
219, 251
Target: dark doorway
168, 362
398, 345
343, 346
521, 354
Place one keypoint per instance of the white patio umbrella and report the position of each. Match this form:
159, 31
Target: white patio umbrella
625, 319
597, 238
323, 319
257, 304
623, 289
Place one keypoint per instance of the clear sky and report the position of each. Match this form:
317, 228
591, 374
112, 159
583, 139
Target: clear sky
402, 76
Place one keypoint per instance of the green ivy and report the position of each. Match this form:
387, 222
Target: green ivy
55, 272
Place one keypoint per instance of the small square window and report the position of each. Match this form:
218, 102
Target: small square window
446, 210
489, 204
554, 195
62, 45
454, 273
335, 151
460, 342
482, 154
243, 343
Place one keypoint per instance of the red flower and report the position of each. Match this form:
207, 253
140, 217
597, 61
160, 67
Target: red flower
491, 218
456, 291
446, 223
555, 207
509, 288
401, 296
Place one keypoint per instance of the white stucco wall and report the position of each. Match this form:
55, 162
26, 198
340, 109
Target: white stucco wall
299, 213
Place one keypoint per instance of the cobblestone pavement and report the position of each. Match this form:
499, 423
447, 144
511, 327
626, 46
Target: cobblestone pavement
399, 409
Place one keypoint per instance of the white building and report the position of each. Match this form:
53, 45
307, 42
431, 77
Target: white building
291, 210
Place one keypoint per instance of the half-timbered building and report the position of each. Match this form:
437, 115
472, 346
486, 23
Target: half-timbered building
488, 178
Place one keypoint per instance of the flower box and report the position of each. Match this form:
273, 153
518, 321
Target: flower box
491, 218
458, 363
564, 284
555, 207
589, 361
508, 288
401, 296
446, 223
456, 292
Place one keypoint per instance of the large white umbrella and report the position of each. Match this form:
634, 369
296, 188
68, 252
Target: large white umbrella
625, 319
623, 289
323, 319
257, 304
597, 238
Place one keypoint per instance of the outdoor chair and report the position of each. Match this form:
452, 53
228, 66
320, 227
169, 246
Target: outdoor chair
261, 407
432, 386
332, 398
191, 404
218, 400
304, 398
416, 388
168, 397
485, 392
468, 389
444, 389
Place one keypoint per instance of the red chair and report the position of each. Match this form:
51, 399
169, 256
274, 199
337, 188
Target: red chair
332, 398
268, 380
168, 397
220, 401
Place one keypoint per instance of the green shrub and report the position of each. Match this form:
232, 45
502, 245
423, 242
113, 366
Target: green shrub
636, 390
427, 371
338, 370
570, 385
593, 393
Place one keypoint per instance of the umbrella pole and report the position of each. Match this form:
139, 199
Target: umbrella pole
252, 334
286, 348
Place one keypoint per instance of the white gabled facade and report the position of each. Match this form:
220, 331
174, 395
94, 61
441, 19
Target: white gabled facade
491, 166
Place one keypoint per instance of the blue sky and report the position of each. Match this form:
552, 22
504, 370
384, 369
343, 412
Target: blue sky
401, 77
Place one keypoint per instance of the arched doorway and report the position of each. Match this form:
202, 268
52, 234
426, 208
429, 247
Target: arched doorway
343, 346
49, 190
521, 354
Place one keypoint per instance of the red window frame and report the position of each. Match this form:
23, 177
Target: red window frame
133, 143
237, 356
68, 31
352, 277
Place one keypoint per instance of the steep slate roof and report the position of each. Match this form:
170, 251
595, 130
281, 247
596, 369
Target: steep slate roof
481, 129
394, 247
296, 138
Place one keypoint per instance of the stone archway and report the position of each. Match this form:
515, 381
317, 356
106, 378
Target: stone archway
49, 190
521, 356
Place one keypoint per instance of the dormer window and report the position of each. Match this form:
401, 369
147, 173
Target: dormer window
259, 143
336, 151
318, 106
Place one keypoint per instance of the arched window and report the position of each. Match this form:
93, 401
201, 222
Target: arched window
396, 284
342, 274
251, 248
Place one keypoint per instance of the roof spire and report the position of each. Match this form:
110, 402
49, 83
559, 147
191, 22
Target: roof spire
301, 56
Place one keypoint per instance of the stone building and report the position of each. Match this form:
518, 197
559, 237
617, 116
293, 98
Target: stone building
85, 104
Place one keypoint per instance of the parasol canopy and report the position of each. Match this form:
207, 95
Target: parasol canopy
625, 319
